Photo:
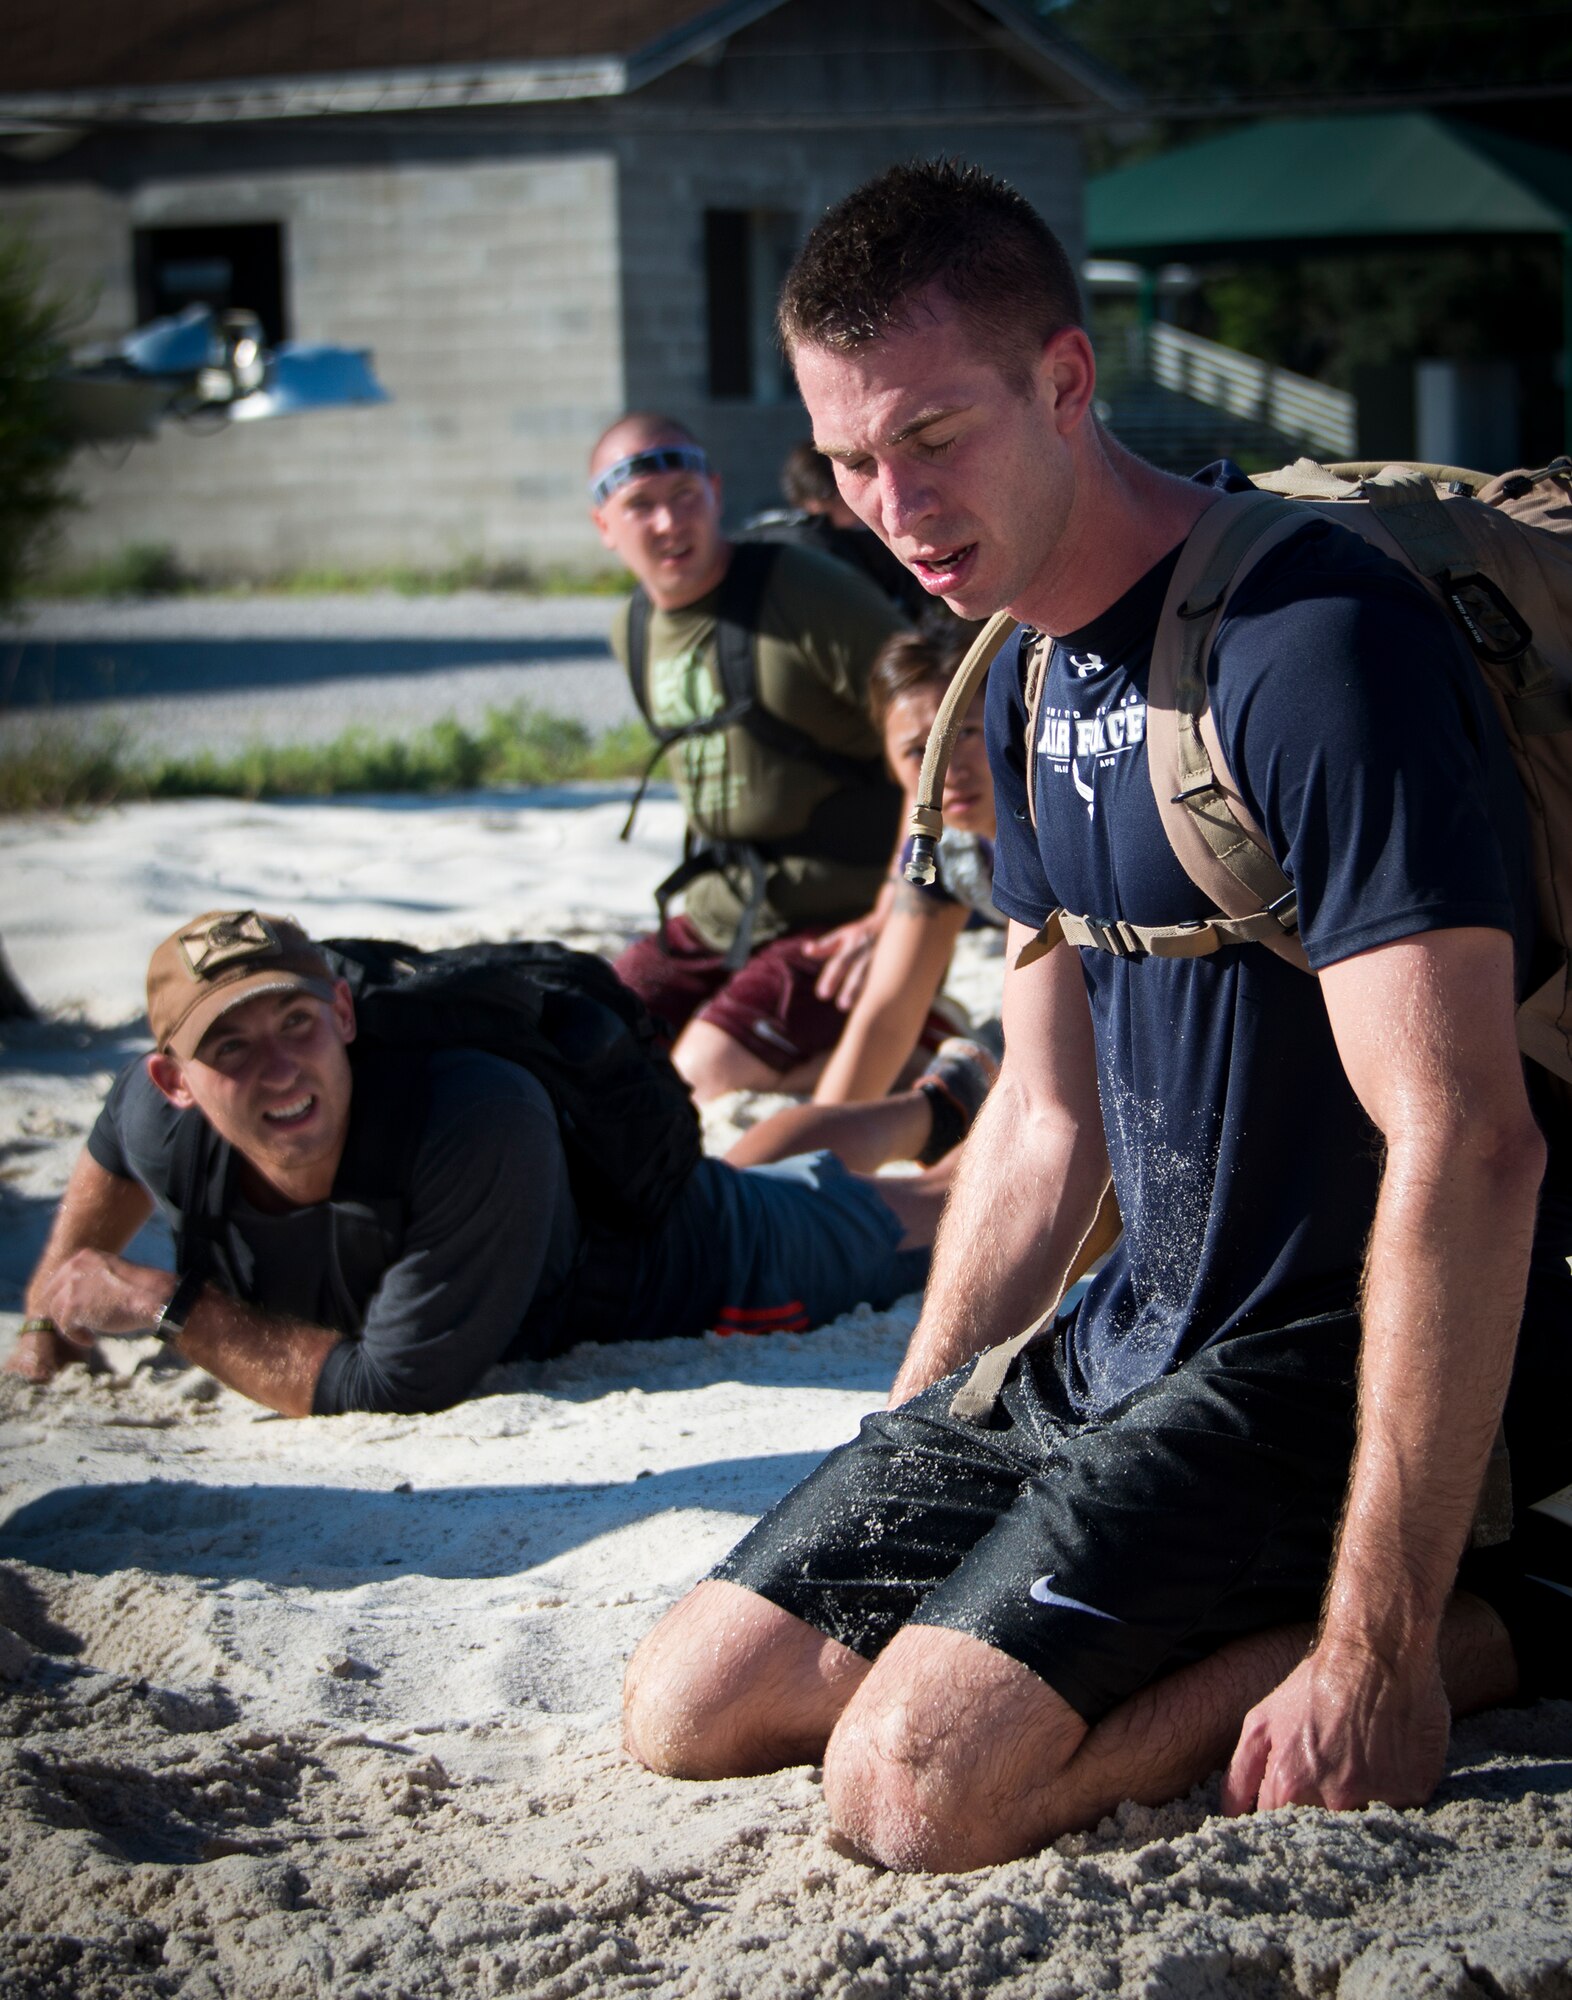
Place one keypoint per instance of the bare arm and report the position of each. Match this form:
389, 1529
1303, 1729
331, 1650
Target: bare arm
1425, 1031
274, 1361
98, 1211
1028, 1183
87, 1288
908, 968
847, 952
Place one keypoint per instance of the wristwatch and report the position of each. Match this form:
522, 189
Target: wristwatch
172, 1316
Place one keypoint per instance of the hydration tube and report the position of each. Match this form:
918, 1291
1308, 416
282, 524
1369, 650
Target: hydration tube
926, 823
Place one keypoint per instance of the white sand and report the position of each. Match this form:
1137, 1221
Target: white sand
327, 1708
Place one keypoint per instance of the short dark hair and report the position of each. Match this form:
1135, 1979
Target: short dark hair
807, 475
931, 223
908, 661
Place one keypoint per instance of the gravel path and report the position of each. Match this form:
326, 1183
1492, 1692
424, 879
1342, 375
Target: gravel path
197, 673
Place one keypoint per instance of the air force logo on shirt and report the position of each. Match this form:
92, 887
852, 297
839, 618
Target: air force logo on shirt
1076, 744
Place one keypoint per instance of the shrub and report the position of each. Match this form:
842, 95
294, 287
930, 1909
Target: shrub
34, 446
141, 569
53, 768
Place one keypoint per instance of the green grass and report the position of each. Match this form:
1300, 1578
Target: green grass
151, 569
56, 769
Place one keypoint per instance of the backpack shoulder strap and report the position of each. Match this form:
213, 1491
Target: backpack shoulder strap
737, 617
737, 665
737, 620
199, 1174
1035, 651
639, 649
1213, 835
369, 1204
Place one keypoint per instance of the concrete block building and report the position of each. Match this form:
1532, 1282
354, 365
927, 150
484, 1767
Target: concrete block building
534, 216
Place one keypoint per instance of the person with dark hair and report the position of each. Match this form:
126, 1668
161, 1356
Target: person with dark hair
1232, 1507
816, 517
808, 482
853, 1112
363, 1224
750, 665
925, 231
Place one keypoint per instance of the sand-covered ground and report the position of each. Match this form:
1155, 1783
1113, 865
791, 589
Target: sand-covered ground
326, 1708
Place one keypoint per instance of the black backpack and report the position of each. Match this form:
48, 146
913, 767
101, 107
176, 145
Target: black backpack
738, 605
629, 1128
628, 1122
829, 836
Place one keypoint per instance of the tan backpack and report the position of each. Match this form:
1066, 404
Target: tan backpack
1497, 554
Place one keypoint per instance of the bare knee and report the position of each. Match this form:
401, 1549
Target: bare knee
727, 1685
711, 1062
899, 1798
671, 1700
951, 1766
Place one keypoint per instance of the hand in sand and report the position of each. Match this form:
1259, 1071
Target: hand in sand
39, 1356
847, 951
1344, 1730
96, 1292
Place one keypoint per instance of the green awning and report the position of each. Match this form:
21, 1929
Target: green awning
1329, 181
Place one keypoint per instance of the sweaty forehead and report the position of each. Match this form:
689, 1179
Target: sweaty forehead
870, 399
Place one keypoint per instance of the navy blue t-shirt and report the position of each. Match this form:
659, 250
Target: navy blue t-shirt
1361, 738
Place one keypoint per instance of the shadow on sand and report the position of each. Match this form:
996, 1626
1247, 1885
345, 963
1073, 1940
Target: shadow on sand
61, 672
338, 1538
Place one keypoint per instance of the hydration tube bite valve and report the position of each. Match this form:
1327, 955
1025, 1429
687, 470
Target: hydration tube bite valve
926, 823
923, 866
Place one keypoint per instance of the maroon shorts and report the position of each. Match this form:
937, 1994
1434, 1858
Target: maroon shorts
769, 1006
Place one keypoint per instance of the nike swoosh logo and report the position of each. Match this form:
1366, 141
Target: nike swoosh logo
1549, 1583
1042, 1592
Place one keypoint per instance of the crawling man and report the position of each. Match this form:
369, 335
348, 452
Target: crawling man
293, 1284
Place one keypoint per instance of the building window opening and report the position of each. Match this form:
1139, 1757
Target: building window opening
222, 265
747, 252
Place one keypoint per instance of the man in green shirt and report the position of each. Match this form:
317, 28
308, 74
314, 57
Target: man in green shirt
752, 666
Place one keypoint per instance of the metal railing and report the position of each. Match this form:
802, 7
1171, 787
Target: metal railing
1243, 386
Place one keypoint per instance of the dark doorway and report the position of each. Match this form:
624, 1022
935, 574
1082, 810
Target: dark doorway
219, 264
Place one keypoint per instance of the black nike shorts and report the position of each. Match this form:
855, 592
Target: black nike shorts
1101, 1554
1105, 1554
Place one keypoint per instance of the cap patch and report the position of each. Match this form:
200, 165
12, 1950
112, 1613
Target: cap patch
228, 940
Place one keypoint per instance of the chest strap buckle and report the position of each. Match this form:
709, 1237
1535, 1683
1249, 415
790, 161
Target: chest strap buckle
1111, 935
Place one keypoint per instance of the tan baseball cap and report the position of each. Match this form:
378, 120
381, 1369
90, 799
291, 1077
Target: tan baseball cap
219, 960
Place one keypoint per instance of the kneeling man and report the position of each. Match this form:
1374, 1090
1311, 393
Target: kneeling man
322, 1269
1220, 1509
